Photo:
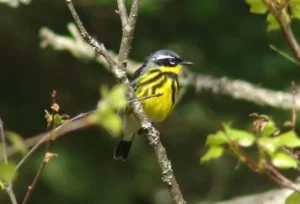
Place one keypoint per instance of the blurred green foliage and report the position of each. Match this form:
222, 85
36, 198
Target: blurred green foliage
8, 172
293, 198
110, 103
222, 38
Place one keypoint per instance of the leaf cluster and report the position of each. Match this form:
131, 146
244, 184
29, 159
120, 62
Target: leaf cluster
284, 9
275, 150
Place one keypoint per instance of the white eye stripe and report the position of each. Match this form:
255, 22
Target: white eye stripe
161, 57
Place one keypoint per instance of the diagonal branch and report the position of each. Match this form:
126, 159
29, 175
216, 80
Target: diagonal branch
9, 188
81, 121
279, 11
119, 72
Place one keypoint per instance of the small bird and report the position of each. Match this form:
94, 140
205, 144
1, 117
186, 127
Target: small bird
156, 85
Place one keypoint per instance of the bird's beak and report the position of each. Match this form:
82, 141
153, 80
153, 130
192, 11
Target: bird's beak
186, 63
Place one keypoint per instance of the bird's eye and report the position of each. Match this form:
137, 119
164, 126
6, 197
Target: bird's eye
172, 61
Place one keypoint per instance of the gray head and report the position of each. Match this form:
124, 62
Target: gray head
166, 58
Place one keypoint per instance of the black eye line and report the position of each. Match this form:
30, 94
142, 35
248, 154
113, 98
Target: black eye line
167, 61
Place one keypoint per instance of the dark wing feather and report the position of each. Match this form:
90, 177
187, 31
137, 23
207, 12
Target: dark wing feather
140, 71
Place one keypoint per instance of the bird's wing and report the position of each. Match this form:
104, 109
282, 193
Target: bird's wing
136, 75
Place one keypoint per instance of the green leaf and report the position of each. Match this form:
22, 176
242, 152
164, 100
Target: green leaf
117, 97
283, 160
57, 120
112, 123
268, 144
293, 198
273, 24
17, 141
243, 138
213, 152
288, 139
216, 139
7, 172
257, 6
269, 129
295, 8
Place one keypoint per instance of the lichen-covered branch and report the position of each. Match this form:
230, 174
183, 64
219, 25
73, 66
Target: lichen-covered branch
119, 71
242, 90
14, 3
237, 89
277, 196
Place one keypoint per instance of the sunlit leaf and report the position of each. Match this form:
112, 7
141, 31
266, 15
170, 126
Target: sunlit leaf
269, 129
288, 139
17, 141
216, 139
282, 160
273, 24
7, 171
213, 152
243, 138
295, 8
57, 120
257, 6
2, 185
293, 198
268, 144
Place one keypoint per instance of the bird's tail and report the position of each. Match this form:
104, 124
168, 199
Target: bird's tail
122, 150
130, 127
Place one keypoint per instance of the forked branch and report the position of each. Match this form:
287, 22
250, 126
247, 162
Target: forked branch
119, 71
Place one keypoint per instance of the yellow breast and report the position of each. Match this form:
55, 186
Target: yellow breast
159, 107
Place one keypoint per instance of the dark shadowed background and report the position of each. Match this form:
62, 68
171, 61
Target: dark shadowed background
222, 39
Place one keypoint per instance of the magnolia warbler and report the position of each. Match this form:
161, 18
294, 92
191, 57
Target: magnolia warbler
156, 85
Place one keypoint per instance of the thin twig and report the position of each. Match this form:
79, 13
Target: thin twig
289, 35
123, 12
79, 122
119, 72
280, 179
54, 110
294, 113
99, 47
146, 97
3, 140
128, 31
9, 188
283, 20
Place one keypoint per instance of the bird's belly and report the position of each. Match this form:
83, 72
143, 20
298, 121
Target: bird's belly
158, 108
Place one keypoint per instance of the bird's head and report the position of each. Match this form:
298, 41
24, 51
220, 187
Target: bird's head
166, 61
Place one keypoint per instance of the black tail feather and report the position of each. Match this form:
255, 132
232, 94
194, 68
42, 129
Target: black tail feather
122, 150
